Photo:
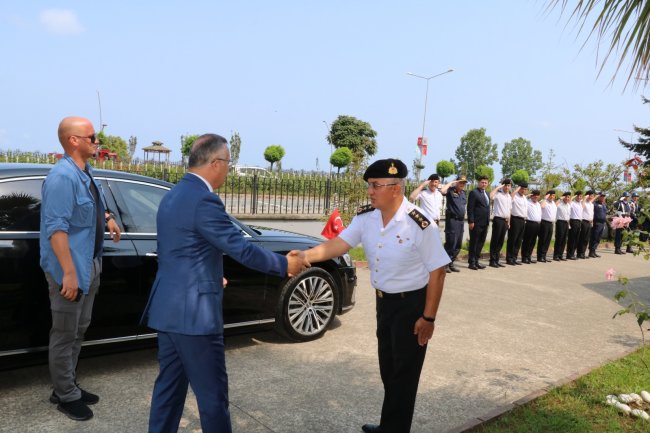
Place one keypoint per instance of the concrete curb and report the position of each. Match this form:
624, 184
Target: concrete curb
501, 410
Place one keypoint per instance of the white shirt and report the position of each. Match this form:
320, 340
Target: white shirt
502, 205
534, 211
549, 212
400, 255
576, 210
431, 203
519, 205
563, 211
588, 211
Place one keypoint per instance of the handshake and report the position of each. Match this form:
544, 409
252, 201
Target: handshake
297, 262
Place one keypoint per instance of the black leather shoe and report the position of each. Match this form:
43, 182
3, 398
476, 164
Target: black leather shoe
571, 258
86, 397
525, 260
76, 410
453, 268
473, 267
501, 265
447, 270
592, 255
596, 255
563, 259
480, 266
517, 263
493, 265
371, 428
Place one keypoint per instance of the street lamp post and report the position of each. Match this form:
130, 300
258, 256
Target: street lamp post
331, 150
424, 119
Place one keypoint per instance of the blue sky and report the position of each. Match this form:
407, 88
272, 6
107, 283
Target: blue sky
274, 71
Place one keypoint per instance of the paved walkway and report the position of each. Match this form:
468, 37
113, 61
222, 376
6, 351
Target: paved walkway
500, 336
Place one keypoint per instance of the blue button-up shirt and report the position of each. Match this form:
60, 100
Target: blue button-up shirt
68, 206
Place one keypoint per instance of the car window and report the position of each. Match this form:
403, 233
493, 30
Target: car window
138, 204
20, 205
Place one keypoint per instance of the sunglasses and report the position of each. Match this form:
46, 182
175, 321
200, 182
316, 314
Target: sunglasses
93, 137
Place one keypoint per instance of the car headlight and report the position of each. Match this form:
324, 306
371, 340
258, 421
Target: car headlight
347, 259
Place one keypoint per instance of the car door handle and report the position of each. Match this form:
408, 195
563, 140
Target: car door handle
154, 254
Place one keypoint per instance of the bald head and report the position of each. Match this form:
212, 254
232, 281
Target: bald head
73, 125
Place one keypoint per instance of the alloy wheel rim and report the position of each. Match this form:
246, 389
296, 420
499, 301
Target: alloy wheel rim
311, 306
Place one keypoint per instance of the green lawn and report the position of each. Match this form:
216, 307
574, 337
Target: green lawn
579, 407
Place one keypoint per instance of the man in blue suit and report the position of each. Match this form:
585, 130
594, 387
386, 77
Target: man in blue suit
185, 305
478, 219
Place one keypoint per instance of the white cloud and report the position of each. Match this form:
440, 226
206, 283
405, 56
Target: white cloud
61, 22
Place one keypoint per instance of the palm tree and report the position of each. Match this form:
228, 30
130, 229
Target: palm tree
628, 23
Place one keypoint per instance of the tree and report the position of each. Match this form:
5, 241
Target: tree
642, 147
595, 176
273, 153
519, 176
355, 134
550, 175
113, 143
629, 24
475, 149
484, 170
341, 158
235, 148
519, 154
186, 144
445, 168
133, 144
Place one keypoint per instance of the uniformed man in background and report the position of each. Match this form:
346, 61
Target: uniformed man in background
575, 225
454, 218
622, 210
406, 262
500, 220
549, 214
518, 216
430, 197
562, 226
600, 219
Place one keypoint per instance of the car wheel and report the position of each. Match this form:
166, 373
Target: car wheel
307, 305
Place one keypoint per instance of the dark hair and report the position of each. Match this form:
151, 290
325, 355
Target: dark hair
484, 178
204, 148
550, 192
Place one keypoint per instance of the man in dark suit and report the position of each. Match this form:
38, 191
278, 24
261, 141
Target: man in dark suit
185, 306
478, 218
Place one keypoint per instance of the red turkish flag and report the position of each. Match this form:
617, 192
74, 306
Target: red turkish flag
334, 225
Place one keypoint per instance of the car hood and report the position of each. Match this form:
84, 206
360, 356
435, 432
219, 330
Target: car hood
277, 235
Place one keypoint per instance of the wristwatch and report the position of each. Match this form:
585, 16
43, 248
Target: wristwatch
429, 319
109, 216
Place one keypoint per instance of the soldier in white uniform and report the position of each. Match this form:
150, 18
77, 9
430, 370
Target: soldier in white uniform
430, 197
406, 261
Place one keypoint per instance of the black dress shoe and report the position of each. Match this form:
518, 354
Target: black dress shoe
76, 410
473, 267
480, 266
447, 270
371, 428
592, 255
453, 268
510, 262
596, 255
493, 265
525, 260
571, 258
517, 263
86, 397
563, 259
501, 265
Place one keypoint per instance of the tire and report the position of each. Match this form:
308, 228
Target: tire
307, 305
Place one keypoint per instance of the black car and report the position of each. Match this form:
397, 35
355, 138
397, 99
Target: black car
301, 307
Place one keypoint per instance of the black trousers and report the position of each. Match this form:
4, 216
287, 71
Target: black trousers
515, 236
596, 234
585, 235
574, 236
454, 229
618, 239
476, 241
400, 359
545, 235
499, 230
531, 230
561, 231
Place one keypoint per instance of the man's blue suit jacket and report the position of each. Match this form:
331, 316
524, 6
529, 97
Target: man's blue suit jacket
194, 232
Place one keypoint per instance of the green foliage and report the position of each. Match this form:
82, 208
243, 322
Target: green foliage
519, 154
342, 157
186, 144
519, 176
445, 168
594, 175
273, 153
115, 144
475, 149
484, 170
355, 134
235, 148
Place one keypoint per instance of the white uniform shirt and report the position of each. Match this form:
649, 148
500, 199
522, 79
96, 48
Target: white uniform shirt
563, 211
534, 211
549, 212
519, 206
400, 255
431, 203
502, 204
588, 211
576, 210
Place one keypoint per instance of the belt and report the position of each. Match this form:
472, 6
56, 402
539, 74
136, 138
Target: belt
547, 221
400, 295
453, 217
517, 217
498, 218
587, 221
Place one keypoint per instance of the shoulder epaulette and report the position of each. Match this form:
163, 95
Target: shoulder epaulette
419, 219
365, 209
